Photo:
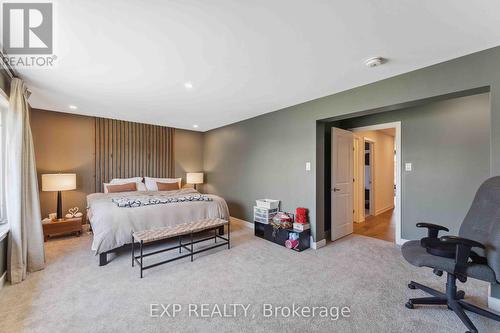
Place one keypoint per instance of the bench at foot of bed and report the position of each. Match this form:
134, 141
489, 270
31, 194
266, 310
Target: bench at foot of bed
103, 257
184, 234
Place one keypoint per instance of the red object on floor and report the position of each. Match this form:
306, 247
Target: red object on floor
301, 215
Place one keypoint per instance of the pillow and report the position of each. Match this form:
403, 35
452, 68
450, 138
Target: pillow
137, 180
117, 188
167, 186
151, 182
126, 180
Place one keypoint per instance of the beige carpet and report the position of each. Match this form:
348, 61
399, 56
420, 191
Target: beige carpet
369, 276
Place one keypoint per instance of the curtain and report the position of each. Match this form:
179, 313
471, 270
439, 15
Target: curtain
25, 248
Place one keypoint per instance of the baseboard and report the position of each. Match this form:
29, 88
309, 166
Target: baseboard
241, 222
383, 210
401, 241
317, 245
3, 280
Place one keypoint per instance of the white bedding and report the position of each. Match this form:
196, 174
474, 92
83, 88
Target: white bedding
112, 225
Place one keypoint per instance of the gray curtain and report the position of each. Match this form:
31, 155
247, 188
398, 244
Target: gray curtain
25, 248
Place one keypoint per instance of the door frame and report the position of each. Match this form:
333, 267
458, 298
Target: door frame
397, 146
372, 176
358, 216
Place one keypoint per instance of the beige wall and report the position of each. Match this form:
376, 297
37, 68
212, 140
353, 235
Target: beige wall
383, 169
65, 143
188, 147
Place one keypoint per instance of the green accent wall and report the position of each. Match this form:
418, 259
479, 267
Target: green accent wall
448, 144
265, 156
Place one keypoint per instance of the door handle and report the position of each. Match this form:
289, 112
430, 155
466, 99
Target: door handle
336, 189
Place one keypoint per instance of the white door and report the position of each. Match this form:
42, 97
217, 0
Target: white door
342, 183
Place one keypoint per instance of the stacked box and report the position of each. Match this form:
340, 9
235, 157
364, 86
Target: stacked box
264, 215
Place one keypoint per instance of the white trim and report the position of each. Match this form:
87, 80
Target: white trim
317, 245
241, 222
5, 99
373, 185
397, 144
402, 241
4, 230
493, 302
383, 210
3, 280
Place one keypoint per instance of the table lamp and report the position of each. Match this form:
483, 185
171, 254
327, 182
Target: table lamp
194, 178
59, 182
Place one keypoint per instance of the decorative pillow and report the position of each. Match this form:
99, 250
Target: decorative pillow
151, 182
130, 187
138, 180
167, 186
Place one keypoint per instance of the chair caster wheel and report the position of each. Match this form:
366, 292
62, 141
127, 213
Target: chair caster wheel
460, 294
411, 286
437, 272
409, 305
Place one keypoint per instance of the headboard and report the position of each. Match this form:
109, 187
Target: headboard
126, 149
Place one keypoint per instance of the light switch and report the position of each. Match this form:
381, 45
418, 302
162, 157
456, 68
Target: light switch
308, 166
407, 166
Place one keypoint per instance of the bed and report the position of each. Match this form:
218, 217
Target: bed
112, 225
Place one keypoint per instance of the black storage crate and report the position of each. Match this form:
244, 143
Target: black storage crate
280, 236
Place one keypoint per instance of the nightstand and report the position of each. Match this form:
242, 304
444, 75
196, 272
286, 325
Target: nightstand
62, 227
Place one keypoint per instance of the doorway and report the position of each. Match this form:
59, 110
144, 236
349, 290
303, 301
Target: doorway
376, 182
368, 170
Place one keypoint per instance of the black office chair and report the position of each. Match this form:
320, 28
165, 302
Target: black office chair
475, 254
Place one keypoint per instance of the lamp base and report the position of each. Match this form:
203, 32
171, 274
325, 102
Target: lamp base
59, 205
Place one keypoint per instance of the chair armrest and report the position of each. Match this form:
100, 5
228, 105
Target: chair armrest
433, 229
462, 241
462, 252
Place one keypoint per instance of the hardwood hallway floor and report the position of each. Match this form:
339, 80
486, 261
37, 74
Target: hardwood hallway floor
381, 226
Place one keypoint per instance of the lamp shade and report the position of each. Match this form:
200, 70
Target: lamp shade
59, 182
194, 178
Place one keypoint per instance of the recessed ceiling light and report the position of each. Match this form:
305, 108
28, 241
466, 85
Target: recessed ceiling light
375, 61
73, 107
196, 126
188, 85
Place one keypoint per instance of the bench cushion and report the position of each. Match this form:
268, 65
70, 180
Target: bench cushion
152, 235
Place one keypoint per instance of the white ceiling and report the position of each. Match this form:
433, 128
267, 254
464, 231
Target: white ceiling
130, 59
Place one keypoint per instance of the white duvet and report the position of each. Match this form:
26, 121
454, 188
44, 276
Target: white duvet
112, 225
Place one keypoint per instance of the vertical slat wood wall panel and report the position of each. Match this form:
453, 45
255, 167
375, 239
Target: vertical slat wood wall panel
125, 149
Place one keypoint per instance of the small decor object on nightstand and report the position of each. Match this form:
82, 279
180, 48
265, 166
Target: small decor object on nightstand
73, 212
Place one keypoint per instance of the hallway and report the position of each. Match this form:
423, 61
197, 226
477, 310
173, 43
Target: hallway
381, 226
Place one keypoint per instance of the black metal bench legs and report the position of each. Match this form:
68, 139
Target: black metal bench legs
189, 246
